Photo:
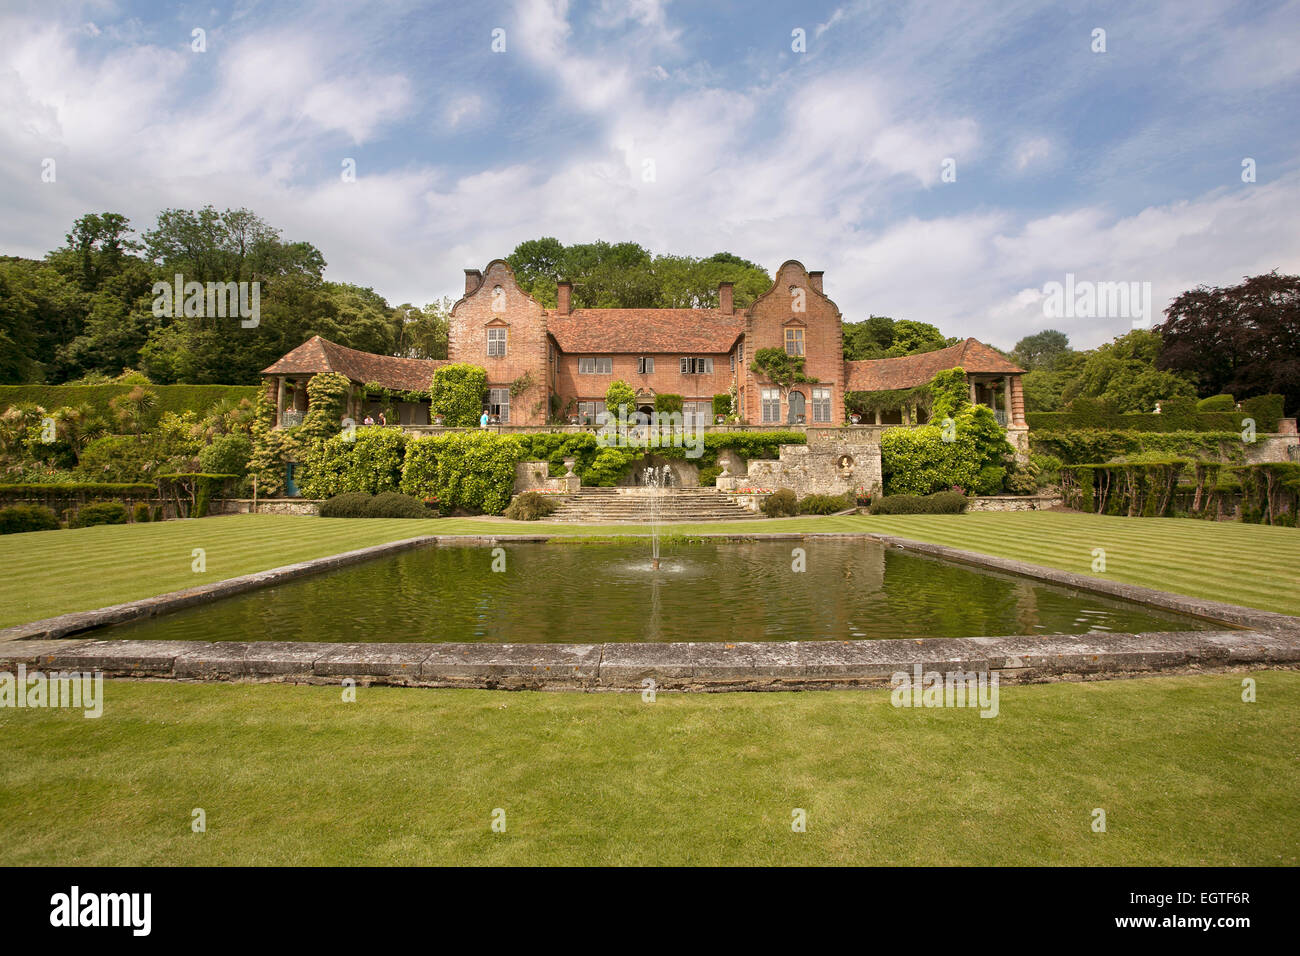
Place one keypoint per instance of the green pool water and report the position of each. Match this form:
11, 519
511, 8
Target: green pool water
592, 593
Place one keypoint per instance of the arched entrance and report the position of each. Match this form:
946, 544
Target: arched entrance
796, 403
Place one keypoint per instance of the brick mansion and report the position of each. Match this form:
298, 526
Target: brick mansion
554, 365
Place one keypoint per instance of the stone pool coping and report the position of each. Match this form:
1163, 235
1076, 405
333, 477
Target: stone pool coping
1270, 639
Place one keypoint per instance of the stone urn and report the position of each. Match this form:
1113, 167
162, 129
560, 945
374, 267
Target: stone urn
568, 467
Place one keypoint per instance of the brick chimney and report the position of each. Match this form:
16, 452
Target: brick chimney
725, 304
563, 292
815, 280
473, 279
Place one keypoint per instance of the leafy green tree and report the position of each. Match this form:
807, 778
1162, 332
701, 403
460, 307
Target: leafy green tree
1041, 350
620, 393
1123, 374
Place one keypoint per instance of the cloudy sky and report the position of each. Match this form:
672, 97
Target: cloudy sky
690, 127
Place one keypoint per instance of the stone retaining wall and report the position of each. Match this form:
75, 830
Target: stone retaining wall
266, 506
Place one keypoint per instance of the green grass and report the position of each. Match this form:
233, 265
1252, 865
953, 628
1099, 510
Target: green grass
1186, 772
54, 572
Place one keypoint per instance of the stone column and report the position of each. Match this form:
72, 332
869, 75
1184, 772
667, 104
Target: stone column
973, 399
877, 416
1006, 396
279, 401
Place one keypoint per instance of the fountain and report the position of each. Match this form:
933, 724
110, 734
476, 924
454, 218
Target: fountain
655, 478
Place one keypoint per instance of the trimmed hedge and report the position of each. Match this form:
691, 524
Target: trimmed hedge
825, 504
939, 503
78, 490
393, 504
22, 518
530, 506
102, 512
1176, 415
350, 504
781, 503
171, 398
358, 504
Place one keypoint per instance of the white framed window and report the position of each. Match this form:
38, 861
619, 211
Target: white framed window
696, 366
496, 342
645, 365
771, 405
794, 342
594, 365
591, 413
499, 404
821, 403
733, 361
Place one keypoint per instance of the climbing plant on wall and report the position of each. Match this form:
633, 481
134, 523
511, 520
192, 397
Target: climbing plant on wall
458, 393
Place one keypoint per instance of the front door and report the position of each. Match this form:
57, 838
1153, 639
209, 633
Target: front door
796, 403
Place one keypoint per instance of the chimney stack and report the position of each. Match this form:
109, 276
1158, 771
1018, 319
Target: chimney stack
473, 279
563, 292
725, 304
815, 280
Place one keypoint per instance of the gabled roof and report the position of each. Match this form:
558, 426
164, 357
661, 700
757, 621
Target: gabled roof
321, 355
645, 331
879, 375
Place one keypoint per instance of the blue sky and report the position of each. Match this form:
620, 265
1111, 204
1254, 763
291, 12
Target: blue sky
1123, 165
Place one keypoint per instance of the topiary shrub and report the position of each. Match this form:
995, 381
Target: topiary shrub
781, 503
825, 504
393, 504
1217, 403
530, 506
140, 513
101, 512
939, 503
22, 518
350, 504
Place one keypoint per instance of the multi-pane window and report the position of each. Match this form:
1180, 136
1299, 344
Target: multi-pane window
771, 405
697, 413
696, 366
595, 366
733, 361
821, 402
645, 364
496, 342
591, 413
499, 404
794, 341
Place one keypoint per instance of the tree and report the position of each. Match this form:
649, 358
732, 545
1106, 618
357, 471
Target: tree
620, 394
1243, 340
1123, 374
868, 339
1040, 350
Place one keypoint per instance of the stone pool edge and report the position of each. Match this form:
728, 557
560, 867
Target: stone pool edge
1272, 639
759, 666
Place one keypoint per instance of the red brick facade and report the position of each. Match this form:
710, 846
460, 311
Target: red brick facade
545, 363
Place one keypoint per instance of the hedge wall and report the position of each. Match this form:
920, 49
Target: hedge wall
1174, 416
171, 398
475, 471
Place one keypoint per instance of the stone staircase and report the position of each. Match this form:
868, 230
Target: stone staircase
632, 506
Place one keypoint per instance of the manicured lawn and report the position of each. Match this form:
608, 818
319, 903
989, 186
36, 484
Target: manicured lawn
53, 572
1186, 772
